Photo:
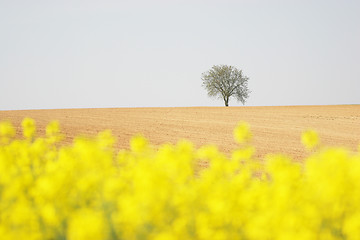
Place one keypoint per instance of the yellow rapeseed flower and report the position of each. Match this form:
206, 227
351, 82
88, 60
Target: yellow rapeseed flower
6, 129
88, 191
87, 224
53, 128
310, 139
242, 133
49, 215
7, 132
106, 139
29, 128
243, 154
138, 143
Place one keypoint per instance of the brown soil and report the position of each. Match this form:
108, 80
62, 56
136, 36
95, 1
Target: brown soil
275, 129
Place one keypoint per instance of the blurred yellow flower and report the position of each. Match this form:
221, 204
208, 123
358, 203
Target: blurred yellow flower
7, 132
53, 128
138, 143
242, 133
88, 191
310, 139
29, 128
87, 224
7, 129
106, 139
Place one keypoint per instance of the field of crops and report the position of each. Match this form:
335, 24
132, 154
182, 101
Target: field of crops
276, 129
77, 181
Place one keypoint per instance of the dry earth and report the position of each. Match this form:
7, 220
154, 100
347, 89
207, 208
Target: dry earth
275, 129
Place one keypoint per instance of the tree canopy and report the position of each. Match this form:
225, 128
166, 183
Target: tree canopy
224, 81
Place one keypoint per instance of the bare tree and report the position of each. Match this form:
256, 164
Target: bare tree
224, 81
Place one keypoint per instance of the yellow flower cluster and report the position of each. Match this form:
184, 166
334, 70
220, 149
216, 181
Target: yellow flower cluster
89, 191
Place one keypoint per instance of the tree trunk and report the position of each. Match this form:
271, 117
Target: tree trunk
226, 101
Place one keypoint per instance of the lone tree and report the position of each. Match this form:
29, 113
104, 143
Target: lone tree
225, 81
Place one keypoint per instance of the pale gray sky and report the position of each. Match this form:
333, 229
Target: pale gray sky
75, 54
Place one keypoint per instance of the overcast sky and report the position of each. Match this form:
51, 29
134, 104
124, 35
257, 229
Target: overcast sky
77, 54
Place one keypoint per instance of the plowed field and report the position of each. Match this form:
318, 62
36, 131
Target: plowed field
275, 129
